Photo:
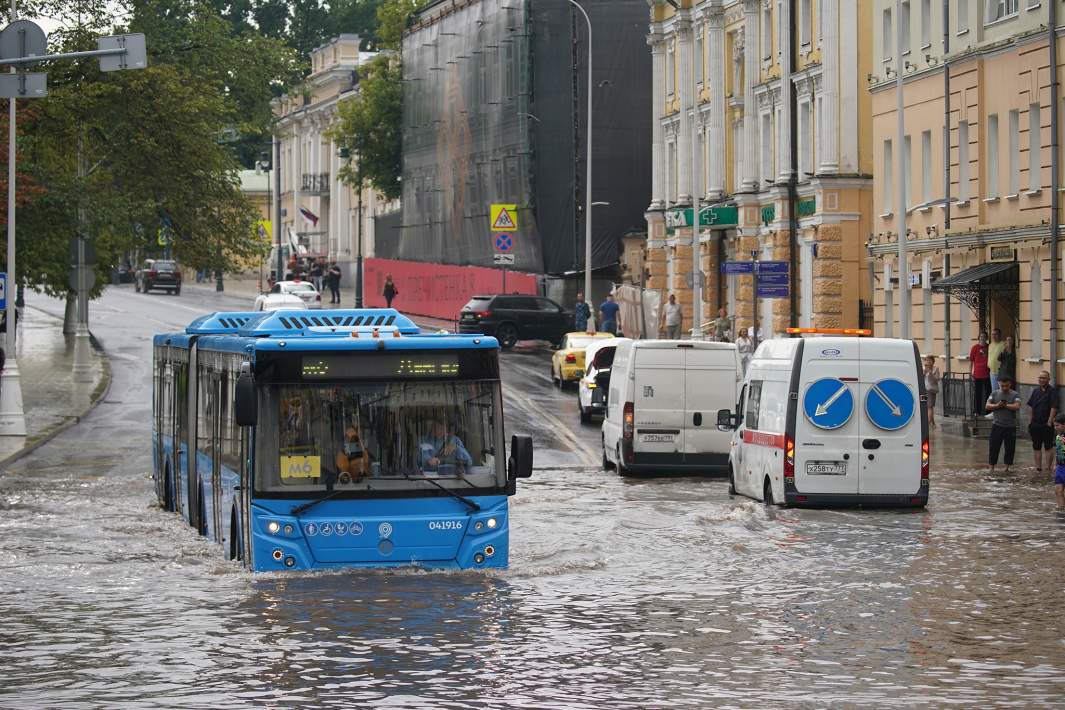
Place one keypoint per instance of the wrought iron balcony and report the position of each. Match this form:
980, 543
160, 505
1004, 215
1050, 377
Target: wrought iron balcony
315, 184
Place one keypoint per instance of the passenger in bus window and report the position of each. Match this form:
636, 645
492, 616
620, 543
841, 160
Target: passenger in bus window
295, 433
439, 448
353, 459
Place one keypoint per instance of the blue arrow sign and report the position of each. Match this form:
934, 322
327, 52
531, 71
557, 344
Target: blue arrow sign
737, 267
889, 404
504, 242
828, 403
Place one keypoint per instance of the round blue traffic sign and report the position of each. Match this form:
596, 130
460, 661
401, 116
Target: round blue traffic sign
889, 404
504, 242
828, 403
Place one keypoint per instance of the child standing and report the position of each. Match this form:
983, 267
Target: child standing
1059, 452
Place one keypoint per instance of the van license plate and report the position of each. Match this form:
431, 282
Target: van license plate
658, 438
826, 468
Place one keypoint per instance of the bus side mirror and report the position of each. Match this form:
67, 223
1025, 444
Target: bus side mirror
245, 406
725, 419
521, 457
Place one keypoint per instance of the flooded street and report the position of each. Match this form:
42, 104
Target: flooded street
621, 593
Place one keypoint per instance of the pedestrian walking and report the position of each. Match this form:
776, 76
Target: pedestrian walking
390, 291
672, 318
1007, 362
745, 348
1059, 458
994, 351
608, 313
581, 313
1003, 405
931, 386
317, 274
1044, 405
722, 325
334, 275
981, 375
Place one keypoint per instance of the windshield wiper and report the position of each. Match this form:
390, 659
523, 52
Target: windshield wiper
303, 508
445, 489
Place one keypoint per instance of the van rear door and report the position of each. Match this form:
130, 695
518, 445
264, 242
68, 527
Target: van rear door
659, 388
827, 425
890, 419
710, 377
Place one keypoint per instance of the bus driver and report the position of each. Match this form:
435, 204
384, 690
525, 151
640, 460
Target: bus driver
439, 448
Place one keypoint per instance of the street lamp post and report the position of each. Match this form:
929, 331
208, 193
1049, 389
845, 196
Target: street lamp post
345, 153
588, 176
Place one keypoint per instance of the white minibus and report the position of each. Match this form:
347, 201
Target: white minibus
661, 413
831, 421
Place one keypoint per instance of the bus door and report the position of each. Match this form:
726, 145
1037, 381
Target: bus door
244, 494
217, 442
193, 488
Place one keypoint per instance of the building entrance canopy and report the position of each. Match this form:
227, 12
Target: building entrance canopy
976, 285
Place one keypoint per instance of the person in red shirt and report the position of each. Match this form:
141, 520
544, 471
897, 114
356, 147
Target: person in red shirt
981, 374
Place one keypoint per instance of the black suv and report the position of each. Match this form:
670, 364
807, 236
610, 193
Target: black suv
158, 273
515, 317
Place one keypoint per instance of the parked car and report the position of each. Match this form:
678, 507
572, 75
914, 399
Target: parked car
567, 363
285, 294
160, 274
514, 317
594, 385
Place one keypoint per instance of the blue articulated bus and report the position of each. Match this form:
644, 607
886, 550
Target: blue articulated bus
336, 438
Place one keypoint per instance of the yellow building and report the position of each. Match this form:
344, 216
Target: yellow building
976, 182
732, 86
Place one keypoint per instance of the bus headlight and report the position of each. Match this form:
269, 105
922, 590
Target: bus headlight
273, 526
491, 523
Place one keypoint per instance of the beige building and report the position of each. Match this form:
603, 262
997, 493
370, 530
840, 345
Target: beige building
310, 161
723, 122
976, 177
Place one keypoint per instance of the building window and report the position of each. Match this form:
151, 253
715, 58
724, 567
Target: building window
1036, 328
805, 22
992, 156
671, 68
962, 13
700, 61
926, 306
1035, 149
766, 149
926, 23
886, 34
1000, 9
767, 32
805, 141
963, 161
904, 26
887, 172
737, 155
907, 171
1015, 152
926, 166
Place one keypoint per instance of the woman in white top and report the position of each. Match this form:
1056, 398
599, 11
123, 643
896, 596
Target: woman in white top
931, 386
745, 347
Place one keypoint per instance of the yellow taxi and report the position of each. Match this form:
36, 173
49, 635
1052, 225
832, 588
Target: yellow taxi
567, 364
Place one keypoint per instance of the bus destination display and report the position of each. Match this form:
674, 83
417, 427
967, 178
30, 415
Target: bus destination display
380, 365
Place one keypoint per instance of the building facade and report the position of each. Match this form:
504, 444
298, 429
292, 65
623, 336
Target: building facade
974, 172
760, 110
318, 211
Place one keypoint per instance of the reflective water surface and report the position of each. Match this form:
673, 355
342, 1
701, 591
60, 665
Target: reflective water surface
621, 594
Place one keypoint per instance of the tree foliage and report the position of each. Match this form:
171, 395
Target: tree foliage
370, 128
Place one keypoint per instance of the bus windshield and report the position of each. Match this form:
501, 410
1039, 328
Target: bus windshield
388, 436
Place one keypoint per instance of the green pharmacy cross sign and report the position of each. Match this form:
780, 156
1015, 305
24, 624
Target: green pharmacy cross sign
708, 217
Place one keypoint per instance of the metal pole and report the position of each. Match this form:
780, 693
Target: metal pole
946, 181
697, 172
82, 369
900, 198
280, 274
12, 418
588, 180
358, 256
1055, 181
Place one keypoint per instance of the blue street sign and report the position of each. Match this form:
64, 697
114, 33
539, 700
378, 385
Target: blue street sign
3, 291
889, 404
773, 267
828, 403
504, 242
737, 267
773, 279
772, 291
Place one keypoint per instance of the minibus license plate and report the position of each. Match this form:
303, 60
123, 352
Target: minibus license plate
658, 438
826, 468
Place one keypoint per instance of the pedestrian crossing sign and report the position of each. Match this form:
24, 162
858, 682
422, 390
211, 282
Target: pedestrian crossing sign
504, 218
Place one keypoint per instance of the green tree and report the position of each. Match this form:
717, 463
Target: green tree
392, 19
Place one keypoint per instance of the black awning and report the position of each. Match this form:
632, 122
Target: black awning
985, 277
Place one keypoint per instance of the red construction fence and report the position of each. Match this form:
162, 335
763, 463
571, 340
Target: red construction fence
437, 290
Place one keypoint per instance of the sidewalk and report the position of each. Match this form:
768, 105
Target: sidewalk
51, 400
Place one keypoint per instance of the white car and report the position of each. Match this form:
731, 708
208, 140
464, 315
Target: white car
592, 387
289, 295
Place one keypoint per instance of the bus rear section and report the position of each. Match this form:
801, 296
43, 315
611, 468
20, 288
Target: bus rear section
380, 457
858, 426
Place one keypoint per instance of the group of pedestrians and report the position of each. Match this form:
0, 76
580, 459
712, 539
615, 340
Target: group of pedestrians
991, 361
608, 314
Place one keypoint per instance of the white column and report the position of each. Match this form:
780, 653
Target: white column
786, 117
752, 35
658, 143
685, 91
829, 141
715, 19
847, 73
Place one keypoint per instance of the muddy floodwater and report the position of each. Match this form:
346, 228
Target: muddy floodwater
621, 593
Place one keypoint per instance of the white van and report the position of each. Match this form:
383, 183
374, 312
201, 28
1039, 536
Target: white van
663, 404
831, 421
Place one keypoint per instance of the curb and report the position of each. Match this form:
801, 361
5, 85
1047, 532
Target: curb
98, 395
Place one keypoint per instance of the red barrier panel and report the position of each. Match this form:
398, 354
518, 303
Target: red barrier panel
437, 290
